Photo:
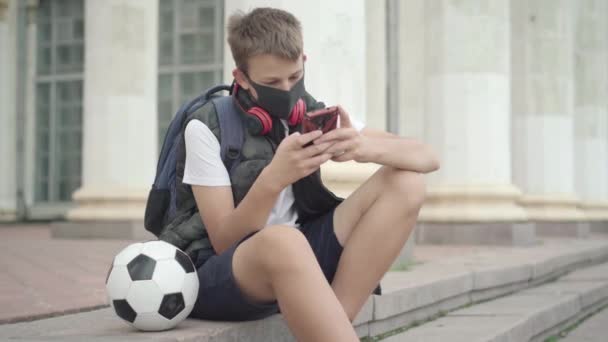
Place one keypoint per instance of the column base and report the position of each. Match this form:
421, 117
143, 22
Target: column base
108, 204
595, 211
8, 215
474, 214
476, 233
556, 215
105, 213
472, 203
555, 208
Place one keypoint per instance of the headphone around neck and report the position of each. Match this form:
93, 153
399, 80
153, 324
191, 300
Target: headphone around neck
258, 119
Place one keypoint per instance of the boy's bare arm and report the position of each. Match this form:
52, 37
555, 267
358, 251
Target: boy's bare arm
376, 133
400, 153
226, 224
376, 146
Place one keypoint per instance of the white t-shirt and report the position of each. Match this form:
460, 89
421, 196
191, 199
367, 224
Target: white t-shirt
204, 167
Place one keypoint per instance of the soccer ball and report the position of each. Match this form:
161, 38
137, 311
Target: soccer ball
152, 285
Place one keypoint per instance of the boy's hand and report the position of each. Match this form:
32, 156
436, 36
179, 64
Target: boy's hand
346, 142
292, 161
344, 118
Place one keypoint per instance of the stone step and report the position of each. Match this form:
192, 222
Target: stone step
423, 291
530, 315
434, 288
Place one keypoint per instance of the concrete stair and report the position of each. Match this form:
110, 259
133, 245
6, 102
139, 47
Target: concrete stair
512, 294
530, 315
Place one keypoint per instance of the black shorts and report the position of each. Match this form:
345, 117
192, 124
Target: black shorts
219, 297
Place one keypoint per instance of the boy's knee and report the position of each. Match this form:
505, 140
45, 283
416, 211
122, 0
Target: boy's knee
409, 186
284, 248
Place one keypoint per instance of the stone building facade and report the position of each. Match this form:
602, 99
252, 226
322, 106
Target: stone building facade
512, 94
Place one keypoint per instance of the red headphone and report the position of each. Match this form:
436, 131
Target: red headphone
258, 120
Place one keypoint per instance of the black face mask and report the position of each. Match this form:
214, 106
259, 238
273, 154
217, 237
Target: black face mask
278, 103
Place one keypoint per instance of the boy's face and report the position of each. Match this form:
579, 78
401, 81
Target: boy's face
271, 71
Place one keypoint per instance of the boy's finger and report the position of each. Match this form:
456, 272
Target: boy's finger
344, 118
308, 137
314, 150
291, 139
343, 157
340, 147
337, 134
317, 161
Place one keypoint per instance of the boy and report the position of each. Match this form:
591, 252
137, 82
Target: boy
282, 241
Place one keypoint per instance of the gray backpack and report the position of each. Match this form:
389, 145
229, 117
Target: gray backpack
161, 207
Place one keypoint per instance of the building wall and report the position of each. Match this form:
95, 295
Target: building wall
510, 93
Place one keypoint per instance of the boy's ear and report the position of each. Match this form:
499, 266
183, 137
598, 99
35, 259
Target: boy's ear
240, 78
304, 57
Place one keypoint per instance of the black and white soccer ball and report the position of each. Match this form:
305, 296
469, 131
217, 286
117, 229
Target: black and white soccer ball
152, 285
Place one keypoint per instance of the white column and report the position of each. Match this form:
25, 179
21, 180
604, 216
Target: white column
591, 107
120, 123
375, 64
467, 114
543, 142
412, 46
334, 41
8, 115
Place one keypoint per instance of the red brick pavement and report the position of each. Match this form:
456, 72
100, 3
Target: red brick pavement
41, 276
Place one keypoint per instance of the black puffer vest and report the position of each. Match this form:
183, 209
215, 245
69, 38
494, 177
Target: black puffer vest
312, 198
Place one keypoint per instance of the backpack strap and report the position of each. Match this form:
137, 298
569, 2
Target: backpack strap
202, 99
231, 131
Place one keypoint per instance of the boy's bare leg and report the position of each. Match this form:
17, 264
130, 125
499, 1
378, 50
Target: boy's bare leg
278, 263
373, 225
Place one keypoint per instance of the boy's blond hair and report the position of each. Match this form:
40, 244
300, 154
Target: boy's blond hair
264, 31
